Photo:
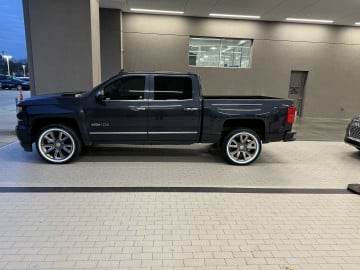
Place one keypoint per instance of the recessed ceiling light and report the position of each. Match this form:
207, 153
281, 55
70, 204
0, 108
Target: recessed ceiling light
357, 23
157, 11
235, 16
308, 20
217, 39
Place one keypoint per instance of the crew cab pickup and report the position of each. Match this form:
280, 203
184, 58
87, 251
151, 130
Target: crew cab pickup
152, 108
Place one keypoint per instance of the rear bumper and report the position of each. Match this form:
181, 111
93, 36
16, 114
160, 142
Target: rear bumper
24, 135
289, 136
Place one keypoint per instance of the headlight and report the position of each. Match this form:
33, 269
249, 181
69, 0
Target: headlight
19, 109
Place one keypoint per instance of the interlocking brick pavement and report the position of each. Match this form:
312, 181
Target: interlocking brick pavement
168, 231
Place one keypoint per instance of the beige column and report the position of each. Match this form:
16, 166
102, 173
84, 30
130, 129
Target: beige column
63, 44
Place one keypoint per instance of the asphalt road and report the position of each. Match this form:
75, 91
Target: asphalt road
8, 115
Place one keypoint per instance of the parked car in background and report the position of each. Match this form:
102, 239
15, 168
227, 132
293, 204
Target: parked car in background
9, 82
25, 79
352, 135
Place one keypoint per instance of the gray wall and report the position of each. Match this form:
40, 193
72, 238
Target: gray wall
331, 54
110, 37
63, 44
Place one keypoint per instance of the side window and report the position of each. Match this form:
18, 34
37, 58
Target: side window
126, 88
172, 87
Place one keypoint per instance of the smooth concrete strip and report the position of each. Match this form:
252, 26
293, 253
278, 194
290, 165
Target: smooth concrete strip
176, 189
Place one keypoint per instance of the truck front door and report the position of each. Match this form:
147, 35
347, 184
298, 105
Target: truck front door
123, 115
174, 112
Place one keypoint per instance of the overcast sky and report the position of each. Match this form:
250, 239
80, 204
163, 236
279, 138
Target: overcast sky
12, 32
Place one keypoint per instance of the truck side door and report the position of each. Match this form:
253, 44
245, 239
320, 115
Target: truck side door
174, 112
123, 116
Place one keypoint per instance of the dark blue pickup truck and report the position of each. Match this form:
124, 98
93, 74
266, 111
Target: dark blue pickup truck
152, 108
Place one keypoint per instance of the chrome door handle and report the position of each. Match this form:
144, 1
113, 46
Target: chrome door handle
191, 109
138, 109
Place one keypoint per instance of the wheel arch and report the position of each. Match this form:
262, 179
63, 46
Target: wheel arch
39, 123
257, 125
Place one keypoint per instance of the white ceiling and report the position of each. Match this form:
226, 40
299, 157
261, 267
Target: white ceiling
343, 12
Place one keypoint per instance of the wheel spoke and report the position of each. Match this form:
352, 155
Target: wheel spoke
243, 138
60, 135
49, 137
66, 149
245, 155
61, 154
63, 137
68, 145
49, 149
56, 154
233, 144
47, 144
251, 145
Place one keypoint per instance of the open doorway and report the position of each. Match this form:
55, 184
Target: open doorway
297, 89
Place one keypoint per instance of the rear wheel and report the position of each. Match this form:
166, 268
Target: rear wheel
58, 144
241, 147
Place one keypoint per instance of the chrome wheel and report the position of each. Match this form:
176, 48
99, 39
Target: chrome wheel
56, 145
242, 147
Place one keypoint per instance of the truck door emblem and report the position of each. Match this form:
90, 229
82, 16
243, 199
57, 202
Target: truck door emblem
99, 124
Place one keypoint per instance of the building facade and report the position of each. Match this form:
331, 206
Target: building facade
74, 45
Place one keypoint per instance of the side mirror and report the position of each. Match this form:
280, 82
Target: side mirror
100, 97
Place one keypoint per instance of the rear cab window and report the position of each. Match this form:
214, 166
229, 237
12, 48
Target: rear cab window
173, 88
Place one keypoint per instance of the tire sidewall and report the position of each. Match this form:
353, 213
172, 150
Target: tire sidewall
229, 136
73, 137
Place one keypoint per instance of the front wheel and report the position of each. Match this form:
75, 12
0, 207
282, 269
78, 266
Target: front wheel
241, 147
58, 144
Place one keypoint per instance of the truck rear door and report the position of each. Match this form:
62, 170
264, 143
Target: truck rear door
174, 112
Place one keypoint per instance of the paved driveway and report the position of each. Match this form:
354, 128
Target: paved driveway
8, 115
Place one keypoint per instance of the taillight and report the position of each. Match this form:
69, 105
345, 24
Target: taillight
291, 113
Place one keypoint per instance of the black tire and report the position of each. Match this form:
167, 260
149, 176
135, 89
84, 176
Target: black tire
246, 145
58, 144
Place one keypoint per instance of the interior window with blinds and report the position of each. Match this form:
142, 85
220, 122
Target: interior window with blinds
219, 52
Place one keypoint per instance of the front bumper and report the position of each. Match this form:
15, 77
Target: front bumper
352, 141
289, 136
24, 135
352, 135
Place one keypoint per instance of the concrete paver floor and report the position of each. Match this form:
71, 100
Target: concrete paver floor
320, 129
179, 230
